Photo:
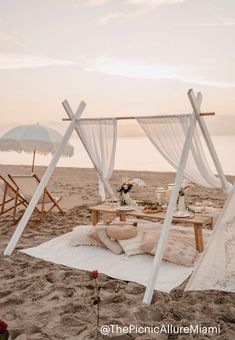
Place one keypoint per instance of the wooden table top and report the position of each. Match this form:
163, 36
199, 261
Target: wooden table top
112, 208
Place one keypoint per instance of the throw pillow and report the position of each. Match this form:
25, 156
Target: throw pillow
114, 246
150, 240
80, 237
179, 250
121, 232
94, 236
147, 226
132, 246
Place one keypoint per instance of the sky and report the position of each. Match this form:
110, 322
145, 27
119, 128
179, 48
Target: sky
122, 57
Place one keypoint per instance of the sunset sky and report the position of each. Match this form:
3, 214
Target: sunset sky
120, 56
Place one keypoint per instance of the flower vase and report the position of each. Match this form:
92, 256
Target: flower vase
181, 203
124, 199
4, 335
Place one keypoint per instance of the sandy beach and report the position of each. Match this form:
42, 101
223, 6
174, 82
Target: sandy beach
42, 300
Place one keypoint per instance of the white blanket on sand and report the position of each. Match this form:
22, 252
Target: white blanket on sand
134, 268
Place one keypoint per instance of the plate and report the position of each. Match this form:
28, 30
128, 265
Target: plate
125, 209
183, 214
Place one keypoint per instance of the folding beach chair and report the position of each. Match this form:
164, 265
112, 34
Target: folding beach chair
27, 185
10, 199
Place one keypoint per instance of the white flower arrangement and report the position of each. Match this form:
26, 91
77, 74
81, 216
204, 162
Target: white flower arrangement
127, 186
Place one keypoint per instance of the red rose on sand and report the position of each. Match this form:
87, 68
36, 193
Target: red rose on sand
3, 326
94, 274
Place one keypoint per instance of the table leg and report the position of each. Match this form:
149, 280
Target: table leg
94, 217
198, 237
122, 217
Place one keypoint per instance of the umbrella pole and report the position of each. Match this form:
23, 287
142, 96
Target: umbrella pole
34, 152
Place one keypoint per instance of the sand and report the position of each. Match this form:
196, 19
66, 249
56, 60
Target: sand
41, 300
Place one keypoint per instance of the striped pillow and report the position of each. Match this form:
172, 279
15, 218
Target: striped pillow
132, 246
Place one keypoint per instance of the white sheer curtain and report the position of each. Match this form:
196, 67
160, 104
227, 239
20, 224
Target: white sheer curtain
99, 137
168, 133
216, 266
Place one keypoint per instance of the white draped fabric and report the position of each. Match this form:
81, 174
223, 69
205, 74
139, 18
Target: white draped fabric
216, 267
99, 137
167, 134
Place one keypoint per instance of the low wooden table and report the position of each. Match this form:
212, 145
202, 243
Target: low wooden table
197, 220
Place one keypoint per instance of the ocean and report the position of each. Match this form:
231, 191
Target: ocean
133, 153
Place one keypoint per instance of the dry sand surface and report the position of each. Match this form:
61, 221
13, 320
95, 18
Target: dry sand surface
42, 300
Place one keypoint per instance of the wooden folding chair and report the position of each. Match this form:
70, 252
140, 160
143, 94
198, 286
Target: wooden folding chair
27, 185
11, 198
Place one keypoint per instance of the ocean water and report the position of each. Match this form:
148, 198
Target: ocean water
133, 153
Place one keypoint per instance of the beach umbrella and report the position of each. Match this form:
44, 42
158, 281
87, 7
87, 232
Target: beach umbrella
34, 139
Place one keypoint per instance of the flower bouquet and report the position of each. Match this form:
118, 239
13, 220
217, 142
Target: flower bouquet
126, 187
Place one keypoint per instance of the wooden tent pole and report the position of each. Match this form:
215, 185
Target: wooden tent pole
132, 117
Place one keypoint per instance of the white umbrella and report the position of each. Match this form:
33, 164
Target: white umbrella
33, 138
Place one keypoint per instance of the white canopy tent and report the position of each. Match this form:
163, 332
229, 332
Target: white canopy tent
216, 266
185, 154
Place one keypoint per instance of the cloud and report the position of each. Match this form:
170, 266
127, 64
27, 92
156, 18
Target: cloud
145, 70
140, 8
217, 22
117, 15
8, 35
96, 3
226, 21
90, 3
19, 61
150, 4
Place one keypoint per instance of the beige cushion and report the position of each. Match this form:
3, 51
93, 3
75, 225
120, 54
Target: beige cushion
121, 232
132, 246
93, 234
151, 237
114, 246
147, 226
150, 240
80, 237
180, 249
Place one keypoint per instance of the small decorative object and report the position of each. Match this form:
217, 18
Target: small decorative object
160, 195
181, 203
181, 198
95, 298
125, 199
4, 334
169, 191
125, 188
